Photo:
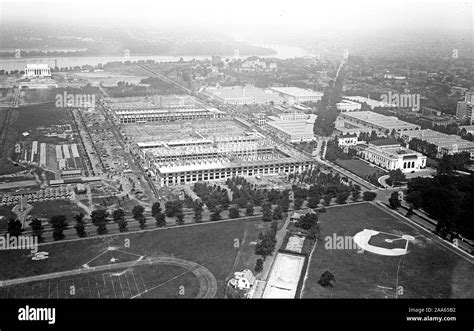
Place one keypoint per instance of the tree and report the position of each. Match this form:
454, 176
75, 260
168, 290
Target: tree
216, 214
118, 214
278, 213
137, 213
37, 228
259, 265
249, 209
327, 199
285, 203
14, 227
341, 197
369, 196
394, 200
313, 201
307, 221
314, 232
355, 195
415, 198
160, 219
80, 225
267, 212
234, 212
155, 209
197, 207
397, 175
179, 217
273, 228
298, 203
326, 279
58, 222
266, 245
99, 219
172, 207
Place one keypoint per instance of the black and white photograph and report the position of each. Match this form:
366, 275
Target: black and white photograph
234, 150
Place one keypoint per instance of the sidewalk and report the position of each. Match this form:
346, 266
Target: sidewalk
268, 263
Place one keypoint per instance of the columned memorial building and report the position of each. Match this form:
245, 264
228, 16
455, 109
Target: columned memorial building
37, 70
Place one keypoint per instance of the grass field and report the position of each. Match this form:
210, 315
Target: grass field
47, 209
6, 211
211, 245
28, 118
360, 168
427, 271
120, 284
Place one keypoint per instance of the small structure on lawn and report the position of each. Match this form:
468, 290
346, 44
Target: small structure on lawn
243, 282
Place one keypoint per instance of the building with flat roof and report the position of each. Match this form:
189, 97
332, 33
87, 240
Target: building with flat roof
298, 95
391, 156
347, 105
292, 127
445, 143
367, 121
347, 140
185, 162
370, 102
464, 110
166, 115
246, 95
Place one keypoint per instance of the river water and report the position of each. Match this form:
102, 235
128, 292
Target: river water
283, 52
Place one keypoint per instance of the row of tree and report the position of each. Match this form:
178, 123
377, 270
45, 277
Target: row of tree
447, 199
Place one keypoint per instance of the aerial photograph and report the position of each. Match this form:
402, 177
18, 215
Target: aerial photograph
236, 150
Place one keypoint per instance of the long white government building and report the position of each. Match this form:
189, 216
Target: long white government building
367, 121
124, 116
189, 161
390, 155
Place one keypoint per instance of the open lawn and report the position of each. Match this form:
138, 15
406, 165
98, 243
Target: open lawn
28, 118
427, 271
360, 168
142, 281
211, 245
47, 209
6, 211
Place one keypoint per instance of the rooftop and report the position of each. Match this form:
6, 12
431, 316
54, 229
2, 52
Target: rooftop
387, 122
371, 102
385, 142
440, 139
297, 92
37, 66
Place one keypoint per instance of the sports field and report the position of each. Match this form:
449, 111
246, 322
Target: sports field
427, 270
194, 260
155, 281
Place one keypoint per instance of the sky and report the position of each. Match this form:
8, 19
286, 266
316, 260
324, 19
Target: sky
244, 17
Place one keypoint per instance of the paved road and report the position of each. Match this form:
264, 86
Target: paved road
148, 187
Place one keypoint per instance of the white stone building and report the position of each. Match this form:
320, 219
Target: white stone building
37, 70
347, 140
298, 95
390, 155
